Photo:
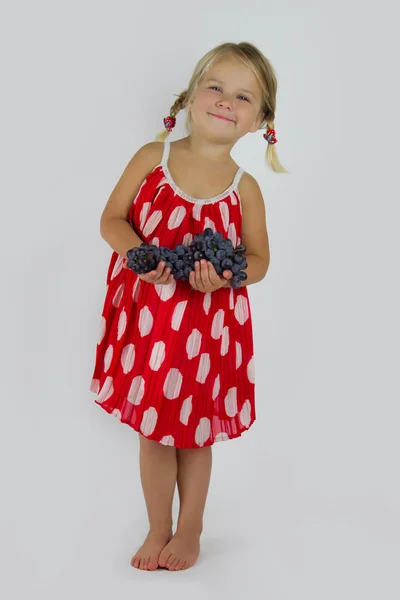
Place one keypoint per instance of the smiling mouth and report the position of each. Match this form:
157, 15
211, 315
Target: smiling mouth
223, 118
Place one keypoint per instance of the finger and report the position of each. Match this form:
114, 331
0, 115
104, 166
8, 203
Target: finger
203, 275
157, 274
166, 276
199, 280
192, 280
227, 274
213, 275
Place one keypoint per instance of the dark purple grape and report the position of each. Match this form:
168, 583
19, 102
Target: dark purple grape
239, 259
226, 263
236, 269
235, 282
243, 275
209, 253
221, 254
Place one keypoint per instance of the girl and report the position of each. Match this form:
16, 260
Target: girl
175, 358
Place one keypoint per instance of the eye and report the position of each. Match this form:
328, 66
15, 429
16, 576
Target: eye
214, 87
247, 100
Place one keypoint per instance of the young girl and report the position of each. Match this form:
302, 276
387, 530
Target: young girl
175, 358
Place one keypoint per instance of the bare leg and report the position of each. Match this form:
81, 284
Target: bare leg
194, 471
158, 472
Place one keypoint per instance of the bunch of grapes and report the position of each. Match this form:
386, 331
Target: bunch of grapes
208, 245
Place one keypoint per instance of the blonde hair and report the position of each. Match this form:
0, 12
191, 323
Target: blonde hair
262, 69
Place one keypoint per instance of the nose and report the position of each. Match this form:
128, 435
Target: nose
225, 103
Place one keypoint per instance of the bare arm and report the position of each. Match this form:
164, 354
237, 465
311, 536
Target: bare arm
254, 231
114, 226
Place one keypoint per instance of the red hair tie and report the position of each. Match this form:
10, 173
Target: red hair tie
169, 123
270, 136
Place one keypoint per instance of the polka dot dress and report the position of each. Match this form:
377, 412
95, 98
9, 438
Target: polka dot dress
174, 363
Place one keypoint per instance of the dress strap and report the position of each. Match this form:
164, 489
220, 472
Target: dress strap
165, 153
238, 177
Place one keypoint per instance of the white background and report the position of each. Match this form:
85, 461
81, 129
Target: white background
305, 504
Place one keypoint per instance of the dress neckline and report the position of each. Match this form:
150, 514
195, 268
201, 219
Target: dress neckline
182, 194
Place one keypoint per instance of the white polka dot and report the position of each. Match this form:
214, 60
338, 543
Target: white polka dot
166, 292
106, 391
231, 299
225, 341
95, 386
223, 207
118, 295
245, 414
167, 440
117, 267
203, 431
121, 324
173, 384
135, 291
186, 410
149, 421
222, 437
177, 317
188, 239
176, 217
204, 368
233, 198
140, 189
193, 344
251, 370
161, 183
216, 388
128, 358
136, 391
241, 309
155, 242
231, 407
145, 321
157, 356
207, 302
108, 358
117, 413
239, 241
144, 213
238, 355
152, 223
209, 223
196, 212
232, 234
218, 324
102, 330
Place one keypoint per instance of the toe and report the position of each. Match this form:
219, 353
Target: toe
172, 565
152, 564
163, 559
171, 560
178, 565
135, 562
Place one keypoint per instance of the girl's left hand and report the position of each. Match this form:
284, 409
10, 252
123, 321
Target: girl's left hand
206, 279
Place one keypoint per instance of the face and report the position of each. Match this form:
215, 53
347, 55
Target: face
227, 103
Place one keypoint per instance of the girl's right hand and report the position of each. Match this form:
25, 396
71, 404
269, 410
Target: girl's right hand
160, 276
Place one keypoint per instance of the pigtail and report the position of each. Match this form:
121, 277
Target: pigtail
177, 106
272, 155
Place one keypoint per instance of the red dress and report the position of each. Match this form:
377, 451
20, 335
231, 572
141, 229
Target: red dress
174, 363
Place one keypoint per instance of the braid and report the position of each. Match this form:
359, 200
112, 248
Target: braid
177, 106
271, 153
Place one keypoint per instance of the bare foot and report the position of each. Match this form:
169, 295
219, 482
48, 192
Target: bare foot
146, 558
181, 552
